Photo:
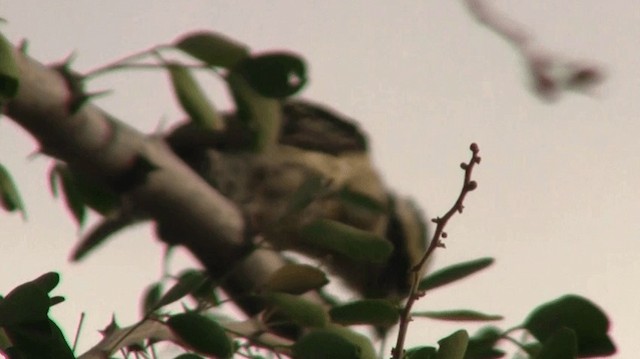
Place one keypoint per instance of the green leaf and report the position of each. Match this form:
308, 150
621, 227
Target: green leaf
9, 197
202, 334
151, 297
72, 196
589, 323
453, 273
47, 281
296, 279
192, 98
81, 191
351, 242
378, 312
561, 345
188, 356
297, 309
41, 339
206, 292
360, 200
94, 195
188, 281
322, 344
334, 342
29, 302
421, 353
213, 49
9, 74
308, 191
261, 116
274, 75
453, 346
458, 315
481, 345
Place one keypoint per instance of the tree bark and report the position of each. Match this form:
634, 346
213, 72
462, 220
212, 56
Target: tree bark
176, 198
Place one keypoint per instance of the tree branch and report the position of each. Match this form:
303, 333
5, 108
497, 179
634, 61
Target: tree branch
176, 198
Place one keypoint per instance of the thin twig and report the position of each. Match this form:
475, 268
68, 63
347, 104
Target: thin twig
78, 330
441, 222
549, 73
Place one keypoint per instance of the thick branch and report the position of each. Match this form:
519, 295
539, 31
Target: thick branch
180, 202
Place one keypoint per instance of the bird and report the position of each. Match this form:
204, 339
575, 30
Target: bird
315, 142
317, 147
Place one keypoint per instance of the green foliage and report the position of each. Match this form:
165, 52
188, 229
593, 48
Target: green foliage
274, 75
213, 49
81, 192
297, 309
421, 353
192, 99
453, 273
376, 312
188, 282
351, 242
24, 319
482, 344
588, 323
458, 315
9, 197
9, 73
560, 345
201, 334
454, 346
322, 344
309, 190
296, 279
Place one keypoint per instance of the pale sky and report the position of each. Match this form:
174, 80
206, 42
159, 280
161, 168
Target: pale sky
556, 204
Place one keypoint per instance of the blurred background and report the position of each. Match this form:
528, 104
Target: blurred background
556, 205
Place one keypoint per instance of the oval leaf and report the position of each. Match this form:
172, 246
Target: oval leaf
454, 273
561, 345
213, 49
151, 297
421, 353
589, 323
28, 302
458, 315
188, 356
274, 75
351, 242
72, 196
192, 98
297, 309
9, 74
321, 344
296, 279
453, 346
47, 281
202, 334
376, 312
188, 282
97, 197
259, 114
481, 345
9, 197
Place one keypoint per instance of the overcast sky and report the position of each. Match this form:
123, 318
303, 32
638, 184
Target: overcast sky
556, 205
